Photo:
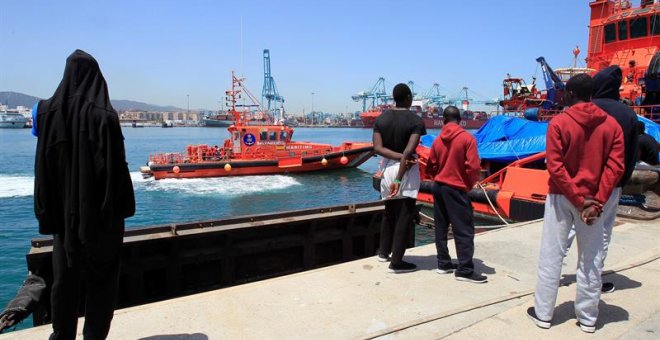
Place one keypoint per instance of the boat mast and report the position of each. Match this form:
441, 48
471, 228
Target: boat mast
234, 95
231, 96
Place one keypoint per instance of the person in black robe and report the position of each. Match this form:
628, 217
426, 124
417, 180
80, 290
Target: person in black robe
82, 194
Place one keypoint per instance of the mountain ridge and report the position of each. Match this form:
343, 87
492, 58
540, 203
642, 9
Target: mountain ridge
13, 99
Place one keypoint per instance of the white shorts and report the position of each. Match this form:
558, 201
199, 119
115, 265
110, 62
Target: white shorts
409, 183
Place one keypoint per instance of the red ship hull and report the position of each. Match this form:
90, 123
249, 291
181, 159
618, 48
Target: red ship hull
430, 123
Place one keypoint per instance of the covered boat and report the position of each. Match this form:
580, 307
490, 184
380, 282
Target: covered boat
256, 146
513, 154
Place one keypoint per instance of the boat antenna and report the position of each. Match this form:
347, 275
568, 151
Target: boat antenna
241, 71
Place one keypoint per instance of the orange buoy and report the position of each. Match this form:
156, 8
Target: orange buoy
228, 167
343, 160
176, 169
324, 161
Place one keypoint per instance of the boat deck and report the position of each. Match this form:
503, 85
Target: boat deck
360, 299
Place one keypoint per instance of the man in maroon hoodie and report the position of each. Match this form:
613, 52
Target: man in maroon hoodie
454, 167
585, 161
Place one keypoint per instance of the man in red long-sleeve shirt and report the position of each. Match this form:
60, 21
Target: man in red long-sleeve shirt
585, 160
454, 167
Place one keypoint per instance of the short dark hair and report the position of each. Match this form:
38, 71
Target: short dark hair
640, 127
581, 85
451, 114
401, 92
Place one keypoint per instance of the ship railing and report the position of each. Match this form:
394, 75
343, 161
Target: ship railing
651, 112
166, 158
545, 115
542, 114
508, 113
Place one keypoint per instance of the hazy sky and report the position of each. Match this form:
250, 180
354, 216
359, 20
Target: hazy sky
161, 51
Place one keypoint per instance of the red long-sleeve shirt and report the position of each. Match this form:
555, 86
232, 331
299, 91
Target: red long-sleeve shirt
454, 159
584, 154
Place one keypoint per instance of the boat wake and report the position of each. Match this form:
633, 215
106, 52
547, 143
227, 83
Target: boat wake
12, 186
225, 186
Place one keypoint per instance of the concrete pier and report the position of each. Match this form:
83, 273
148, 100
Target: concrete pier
360, 299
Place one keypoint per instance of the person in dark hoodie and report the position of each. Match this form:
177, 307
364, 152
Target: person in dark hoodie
454, 166
82, 194
585, 160
606, 96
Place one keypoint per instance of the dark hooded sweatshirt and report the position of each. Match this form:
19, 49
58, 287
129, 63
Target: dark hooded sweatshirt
454, 159
83, 190
606, 96
584, 154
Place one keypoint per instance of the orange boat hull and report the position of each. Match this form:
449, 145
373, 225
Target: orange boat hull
517, 192
355, 157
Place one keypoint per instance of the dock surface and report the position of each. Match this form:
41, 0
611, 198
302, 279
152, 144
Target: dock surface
360, 299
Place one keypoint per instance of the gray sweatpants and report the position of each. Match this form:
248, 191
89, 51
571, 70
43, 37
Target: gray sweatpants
608, 216
559, 217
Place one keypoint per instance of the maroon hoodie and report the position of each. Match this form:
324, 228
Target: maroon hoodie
584, 154
454, 159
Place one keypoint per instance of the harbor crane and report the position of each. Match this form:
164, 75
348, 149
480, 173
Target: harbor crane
434, 95
464, 100
269, 95
378, 95
553, 84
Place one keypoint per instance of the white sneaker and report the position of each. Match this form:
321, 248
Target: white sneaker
587, 329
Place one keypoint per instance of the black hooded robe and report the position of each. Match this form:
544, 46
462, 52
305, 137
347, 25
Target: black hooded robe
82, 193
606, 96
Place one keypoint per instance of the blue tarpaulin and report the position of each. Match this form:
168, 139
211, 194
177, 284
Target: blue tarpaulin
652, 128
506, 139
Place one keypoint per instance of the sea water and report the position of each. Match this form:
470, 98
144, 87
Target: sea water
177, 200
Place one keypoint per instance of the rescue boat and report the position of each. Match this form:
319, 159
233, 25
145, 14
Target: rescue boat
256, 146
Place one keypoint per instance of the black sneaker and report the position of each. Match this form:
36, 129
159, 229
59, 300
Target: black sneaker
474, 278
585, 328
448, 270
607, 287
403, 267
382, 258
531, 314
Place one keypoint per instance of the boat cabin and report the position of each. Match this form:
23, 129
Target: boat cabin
246, 138
627, 36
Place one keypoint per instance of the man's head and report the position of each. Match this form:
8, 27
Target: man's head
451, 114
578, 89
402, 95
640, 127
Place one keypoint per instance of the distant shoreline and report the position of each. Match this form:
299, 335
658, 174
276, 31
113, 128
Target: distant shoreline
160, 125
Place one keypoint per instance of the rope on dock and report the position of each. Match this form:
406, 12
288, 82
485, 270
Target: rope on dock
506, 223
490, 302
491, 204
